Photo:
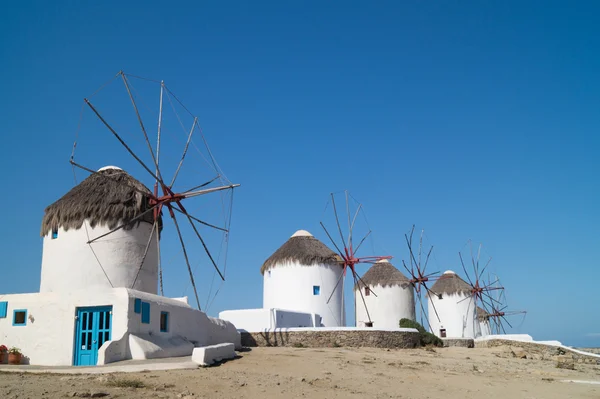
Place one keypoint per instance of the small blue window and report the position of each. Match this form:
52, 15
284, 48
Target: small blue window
137, 305
145, 313
20, 317
164, 321
316, 290
54, 233
3, 309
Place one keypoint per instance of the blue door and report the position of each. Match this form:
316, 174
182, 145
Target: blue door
92, 329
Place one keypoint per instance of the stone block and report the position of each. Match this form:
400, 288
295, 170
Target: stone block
208, 355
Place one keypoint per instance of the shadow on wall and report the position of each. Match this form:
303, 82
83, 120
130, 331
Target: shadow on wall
278, 338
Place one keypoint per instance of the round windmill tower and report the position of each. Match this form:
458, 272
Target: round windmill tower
395, 298
483, 318
299, 276
101, 202
452, 300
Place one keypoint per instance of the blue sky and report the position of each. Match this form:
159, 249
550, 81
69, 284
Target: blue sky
470, 120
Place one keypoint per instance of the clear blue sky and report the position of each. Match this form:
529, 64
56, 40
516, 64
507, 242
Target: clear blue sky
473, 121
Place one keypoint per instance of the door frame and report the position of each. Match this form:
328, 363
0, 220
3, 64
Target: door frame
77, 338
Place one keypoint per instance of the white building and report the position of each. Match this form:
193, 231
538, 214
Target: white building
388, 296
96, 305
299, 278
455, 306
483, 317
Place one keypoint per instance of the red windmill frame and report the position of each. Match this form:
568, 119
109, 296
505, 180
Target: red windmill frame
163, 196
418, 277
348, 255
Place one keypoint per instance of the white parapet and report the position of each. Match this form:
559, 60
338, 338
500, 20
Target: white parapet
208, 355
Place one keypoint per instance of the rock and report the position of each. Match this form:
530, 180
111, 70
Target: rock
99, 394
519, 353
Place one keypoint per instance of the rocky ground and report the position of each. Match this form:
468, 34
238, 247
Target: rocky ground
489, 373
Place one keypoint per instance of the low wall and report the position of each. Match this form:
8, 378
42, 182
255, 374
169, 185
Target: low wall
459, 342
334, 337
543, 351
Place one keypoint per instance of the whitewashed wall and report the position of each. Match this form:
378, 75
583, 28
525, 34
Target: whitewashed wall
257, 320
69, 263
457, 316
484, 329
391, 304
49, 338
290, 287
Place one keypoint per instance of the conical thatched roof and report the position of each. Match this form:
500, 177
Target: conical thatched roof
383, 273
303, 248
109, 197
451, 283
482, 314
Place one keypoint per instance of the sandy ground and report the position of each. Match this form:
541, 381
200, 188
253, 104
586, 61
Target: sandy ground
330, 373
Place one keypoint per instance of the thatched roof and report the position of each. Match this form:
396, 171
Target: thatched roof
303, 248
451, 283
108, 197
482, 314
383, 273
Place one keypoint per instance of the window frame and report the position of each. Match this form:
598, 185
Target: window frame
316, 290
166, 328
14, 320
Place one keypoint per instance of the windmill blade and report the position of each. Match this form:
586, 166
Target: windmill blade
333, 242
355, 216
361, 242
185, 150
429, 296
423, 313
202, 185
337, 220
201, 240
506, 321
485, 267
365, 284
478, 255
335, 287
154, 230
158, 176
420, 248
123, 142
361, 296
427, 259
135, 219
185, 255
349, 244
160, 273
412, 255
465, 269
201, 221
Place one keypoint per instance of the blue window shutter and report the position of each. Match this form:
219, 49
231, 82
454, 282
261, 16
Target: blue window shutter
3, 309
316, 289
145, 313
137, 305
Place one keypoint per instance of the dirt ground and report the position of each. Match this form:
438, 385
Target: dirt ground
330, 373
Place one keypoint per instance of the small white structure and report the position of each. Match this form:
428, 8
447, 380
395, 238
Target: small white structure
483, 318
301, 276
455, 306
97, 302
394, 297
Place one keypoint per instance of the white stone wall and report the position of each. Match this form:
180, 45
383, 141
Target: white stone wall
290, 287
484, 328
257, 320
69, 263
391, 304
48, 339
457, 315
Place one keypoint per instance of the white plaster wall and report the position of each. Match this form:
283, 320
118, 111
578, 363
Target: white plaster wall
252, 320
69, 263
457, 316
257, 320
290, 287
391, 304
184, 321
484, 328
49, 339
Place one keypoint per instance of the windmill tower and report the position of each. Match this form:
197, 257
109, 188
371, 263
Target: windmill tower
453, 303
106, 231
395, 298
298, 277
347, 251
